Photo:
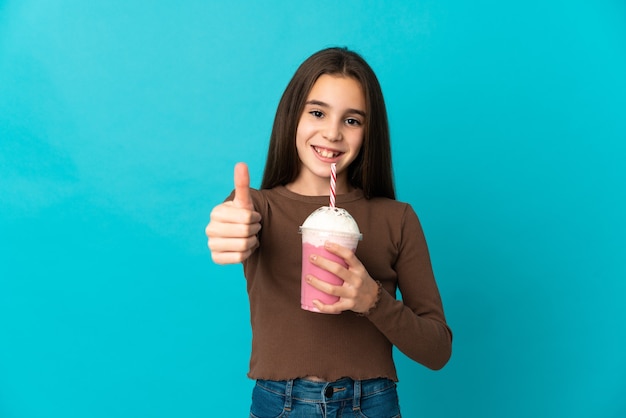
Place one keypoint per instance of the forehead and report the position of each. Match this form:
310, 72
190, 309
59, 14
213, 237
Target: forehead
339, 91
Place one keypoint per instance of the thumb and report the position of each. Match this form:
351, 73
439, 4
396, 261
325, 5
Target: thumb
242, 187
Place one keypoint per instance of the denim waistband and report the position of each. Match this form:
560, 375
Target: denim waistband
341, 390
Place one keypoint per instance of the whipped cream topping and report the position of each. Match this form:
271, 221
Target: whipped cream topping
332, 219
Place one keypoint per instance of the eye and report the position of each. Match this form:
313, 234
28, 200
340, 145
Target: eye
353, 122
316, 114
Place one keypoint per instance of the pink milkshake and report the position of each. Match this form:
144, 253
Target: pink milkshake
325, 224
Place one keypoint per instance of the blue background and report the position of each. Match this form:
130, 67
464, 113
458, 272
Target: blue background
120, 123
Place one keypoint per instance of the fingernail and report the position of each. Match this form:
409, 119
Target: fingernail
313, 257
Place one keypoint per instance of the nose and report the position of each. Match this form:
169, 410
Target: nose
332, 131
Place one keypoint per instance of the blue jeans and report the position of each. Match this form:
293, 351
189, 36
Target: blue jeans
374, 398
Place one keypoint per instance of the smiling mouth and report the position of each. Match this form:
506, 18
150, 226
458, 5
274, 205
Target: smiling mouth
326, 153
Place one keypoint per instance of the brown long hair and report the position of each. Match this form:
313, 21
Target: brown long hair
371, 171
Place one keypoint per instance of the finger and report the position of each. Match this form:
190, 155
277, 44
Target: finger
335, 308
219, 244
227, 229
225, 252
348, 255
330, 266
228, 213
230, 257
344, 290
339, 250
242, 187
321, 285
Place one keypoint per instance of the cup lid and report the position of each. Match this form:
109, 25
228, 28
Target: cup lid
359, 235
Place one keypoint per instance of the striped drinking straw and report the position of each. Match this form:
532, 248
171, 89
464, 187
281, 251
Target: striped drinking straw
333, 182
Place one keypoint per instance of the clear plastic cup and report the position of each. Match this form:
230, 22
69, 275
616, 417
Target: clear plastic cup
313, 240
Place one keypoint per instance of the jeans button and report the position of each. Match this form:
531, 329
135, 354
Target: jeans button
328, 392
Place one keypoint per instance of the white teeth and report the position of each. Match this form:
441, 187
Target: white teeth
326, 153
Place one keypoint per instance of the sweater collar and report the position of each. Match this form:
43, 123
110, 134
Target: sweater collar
352, 196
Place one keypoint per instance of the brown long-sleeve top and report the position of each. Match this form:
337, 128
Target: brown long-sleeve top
288, 342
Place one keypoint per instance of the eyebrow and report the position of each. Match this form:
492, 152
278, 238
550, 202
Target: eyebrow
323, 104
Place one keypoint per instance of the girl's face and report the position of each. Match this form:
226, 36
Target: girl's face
330, 130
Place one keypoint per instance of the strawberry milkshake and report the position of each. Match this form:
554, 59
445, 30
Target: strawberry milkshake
325, 224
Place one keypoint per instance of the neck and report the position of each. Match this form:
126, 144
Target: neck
314, 187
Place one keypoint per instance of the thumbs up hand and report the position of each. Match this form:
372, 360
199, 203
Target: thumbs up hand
232, 229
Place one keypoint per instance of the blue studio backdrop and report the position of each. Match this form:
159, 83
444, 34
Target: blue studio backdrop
120, 124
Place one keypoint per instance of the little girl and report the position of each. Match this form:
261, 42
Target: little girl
308, 364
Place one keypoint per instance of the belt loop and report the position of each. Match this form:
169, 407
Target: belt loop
356, 401
288, 390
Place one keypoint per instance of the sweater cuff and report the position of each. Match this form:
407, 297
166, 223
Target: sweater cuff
383, 306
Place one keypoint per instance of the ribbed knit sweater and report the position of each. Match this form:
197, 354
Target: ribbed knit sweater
288, 342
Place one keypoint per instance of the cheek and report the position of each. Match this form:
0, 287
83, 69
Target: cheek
303, 133
357, 142
299, 139
301, 145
